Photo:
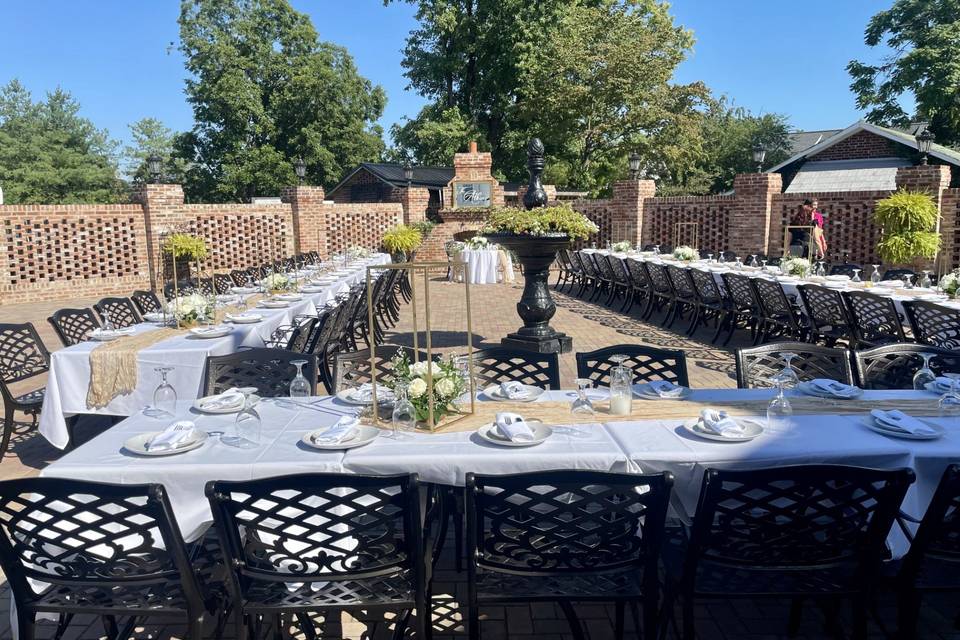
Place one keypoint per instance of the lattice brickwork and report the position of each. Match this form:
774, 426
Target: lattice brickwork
360, 224
712, 216
243, 239
950, 227
603, 214
848, 228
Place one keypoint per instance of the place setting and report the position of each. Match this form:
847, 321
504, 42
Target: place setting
512, 391
513, 430
347, 433
210, 332
718, 426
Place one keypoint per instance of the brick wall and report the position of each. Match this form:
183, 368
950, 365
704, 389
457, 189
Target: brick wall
711, 215
454, 222
474, 166
950, 230
862, 144
349, 225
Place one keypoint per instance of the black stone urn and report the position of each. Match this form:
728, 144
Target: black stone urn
535, 254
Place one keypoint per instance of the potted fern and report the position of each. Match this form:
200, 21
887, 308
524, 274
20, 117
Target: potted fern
401, 241
909, 228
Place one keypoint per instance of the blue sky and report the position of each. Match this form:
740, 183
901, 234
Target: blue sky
116, 57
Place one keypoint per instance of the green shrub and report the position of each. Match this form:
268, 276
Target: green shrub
543, 221
184, 245
908, 220
424, 227
402, 239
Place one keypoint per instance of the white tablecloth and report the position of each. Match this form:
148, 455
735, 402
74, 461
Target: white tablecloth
69, 376
483, 265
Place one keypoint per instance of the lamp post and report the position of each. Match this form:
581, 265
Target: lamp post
300, 168
634, 161
154, 163
408, 174
924, 140
759, 154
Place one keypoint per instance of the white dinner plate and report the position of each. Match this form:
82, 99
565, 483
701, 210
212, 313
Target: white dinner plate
384, 396
811, 390
243, 290
365, 434
106, 336
244, 318
532, 393
838, 278
751, 428
138, 445
273, 304
211, 332
870, 423
645, 392
313, 289
290, 297
540, 433
156, 316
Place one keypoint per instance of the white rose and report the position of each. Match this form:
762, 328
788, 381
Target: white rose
445, 387
418, 369
417, 388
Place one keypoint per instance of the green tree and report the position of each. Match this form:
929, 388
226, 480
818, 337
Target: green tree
151, 137
924, 60
49, 154
265, 90
730, 134
433, 136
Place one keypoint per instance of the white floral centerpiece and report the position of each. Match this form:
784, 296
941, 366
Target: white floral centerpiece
190, 309
358, 253
448, 385
686, 254
950, 283
276, 282
795, 267
478, 243
622, 247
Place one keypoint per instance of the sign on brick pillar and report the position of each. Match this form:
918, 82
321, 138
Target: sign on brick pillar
157, 200
752, 228
309, 218
934, 179
415, 201
627, 204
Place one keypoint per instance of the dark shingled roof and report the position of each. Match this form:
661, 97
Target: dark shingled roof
422, 176
803, 140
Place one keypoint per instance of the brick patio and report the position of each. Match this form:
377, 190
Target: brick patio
591, 327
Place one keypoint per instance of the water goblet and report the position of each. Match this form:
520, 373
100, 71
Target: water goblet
656, 249
581, 405
763, 264
721, 258
164, 396
403, 419
949, 404
856, 276
739, 264
709, 257
245, 433
752, 262
875, 276
788, 375
299, 387
926, 282
924, 375
779, 410
907, 282
821, 268
107, 324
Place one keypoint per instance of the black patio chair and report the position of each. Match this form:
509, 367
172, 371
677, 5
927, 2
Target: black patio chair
567, 273
353, 368
494, 365
306, 543
109, 550
779, 317
730, 256
933, 323
712, 304
933, 563
757, 365
564, 537
898, 274
662, 296
121, 312
639, 286
622, 286
239, 277
796, 532
845, 269
892, 366
647, 364
269, 370
73, 325
590, 277
826, 314
874, 320
23, 356
604, 278
745, 308
146, 302
685, 296
222, 283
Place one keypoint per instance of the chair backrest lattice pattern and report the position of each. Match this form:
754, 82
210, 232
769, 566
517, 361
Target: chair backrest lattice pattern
73, 326
874, 320
756, 366
121, 312
22, 354
893, 366
269, 370
500, 364
647, 364
934, 324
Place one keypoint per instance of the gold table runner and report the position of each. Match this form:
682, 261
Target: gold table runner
113, 365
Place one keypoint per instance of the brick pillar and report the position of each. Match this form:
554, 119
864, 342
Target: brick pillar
752, 228
309, 218
159, 203
627, 202
474, 166
934, 179
415, 201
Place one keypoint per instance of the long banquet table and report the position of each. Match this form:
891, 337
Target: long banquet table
646, 445
69, 376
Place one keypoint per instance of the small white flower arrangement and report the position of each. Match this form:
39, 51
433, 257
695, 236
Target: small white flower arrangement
950, 283
276, 282
448, 385
358, 253
686, 254
190, 309
795, 267
478, 242
622, 247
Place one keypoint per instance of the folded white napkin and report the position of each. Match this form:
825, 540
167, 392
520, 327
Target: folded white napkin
243, 317
364, 393
344, 429
943, 383
229, 398
513, 427
513, 390
834, 388
202, 330
666, 389
718, 422
176, 435
898, 420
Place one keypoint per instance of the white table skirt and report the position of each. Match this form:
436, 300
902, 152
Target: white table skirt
483, 265
69, 376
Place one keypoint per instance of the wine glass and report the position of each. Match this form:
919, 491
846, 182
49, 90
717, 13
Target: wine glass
721, 258
856, 276
822, 268
621, 387
924, 375
656, 249
949, 404
107, 324
164, 396
875, 276
739, 264
788, 375
752, 262
581, 405
926, 282
763, 264
404, 416
779, 410
299, 387
246, 428
907, 282
709, 257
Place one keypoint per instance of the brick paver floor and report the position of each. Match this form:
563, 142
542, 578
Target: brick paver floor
493, 306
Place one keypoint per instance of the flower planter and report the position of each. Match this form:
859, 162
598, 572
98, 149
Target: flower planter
536, 306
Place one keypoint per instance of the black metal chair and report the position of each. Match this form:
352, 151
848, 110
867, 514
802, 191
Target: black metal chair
712, 304
934, 324
892, 366
745, 308
121, 312
109, 550
146, 302
622, 286
589, 277
647, 363
826, 314
685, 296
566, 536
567, 272
239, 277
898, 274
662, 296
639, 286
22, 357
933, 562
874, 320
353, 368
815, 532
845, 269
779, 318
222, 283
73, 325
269, 370
757, 365
322, 542
502, 364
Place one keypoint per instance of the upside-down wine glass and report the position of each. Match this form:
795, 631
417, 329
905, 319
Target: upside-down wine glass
299, 386
779, 410
753, 261
924, 375
403, 419
788, 375
107, 324
245, 433
822, 268
926, 282
907, 282
875, 276
856, 276
581, 405
165, 396
949, 403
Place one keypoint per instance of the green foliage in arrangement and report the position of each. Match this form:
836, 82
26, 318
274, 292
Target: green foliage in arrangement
184, 245
402, 239
909, 220
539, 222
424, 227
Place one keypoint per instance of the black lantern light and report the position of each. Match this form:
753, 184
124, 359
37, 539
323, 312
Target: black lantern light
634, 161
300, 168
924, 141
408, 173
759, 154
154, 167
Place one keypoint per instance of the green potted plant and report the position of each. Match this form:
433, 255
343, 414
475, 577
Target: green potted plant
401, 241
909, 222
